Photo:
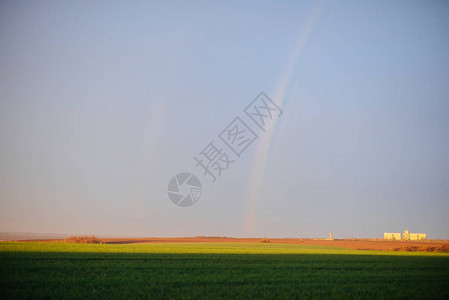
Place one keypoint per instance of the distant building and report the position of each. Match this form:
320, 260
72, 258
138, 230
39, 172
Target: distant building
418, 236
413, 236
406, 236
395, 236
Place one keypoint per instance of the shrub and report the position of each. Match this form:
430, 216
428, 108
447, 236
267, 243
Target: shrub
83, 239
443, 248
264, 240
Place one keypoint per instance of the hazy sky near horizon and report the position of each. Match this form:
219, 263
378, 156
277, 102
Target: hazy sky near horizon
102, 102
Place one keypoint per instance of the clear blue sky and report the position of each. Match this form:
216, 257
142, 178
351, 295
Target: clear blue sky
102, 102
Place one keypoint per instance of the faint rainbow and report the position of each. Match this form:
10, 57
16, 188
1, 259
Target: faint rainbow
266, 141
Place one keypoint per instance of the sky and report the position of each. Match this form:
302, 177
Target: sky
102, 103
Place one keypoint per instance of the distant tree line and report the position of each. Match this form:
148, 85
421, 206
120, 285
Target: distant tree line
83, 239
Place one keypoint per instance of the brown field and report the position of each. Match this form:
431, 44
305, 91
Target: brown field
356, 244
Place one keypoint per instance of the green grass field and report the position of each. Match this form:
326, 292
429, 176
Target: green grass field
221, 270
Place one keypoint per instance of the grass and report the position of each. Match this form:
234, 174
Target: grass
217, 270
